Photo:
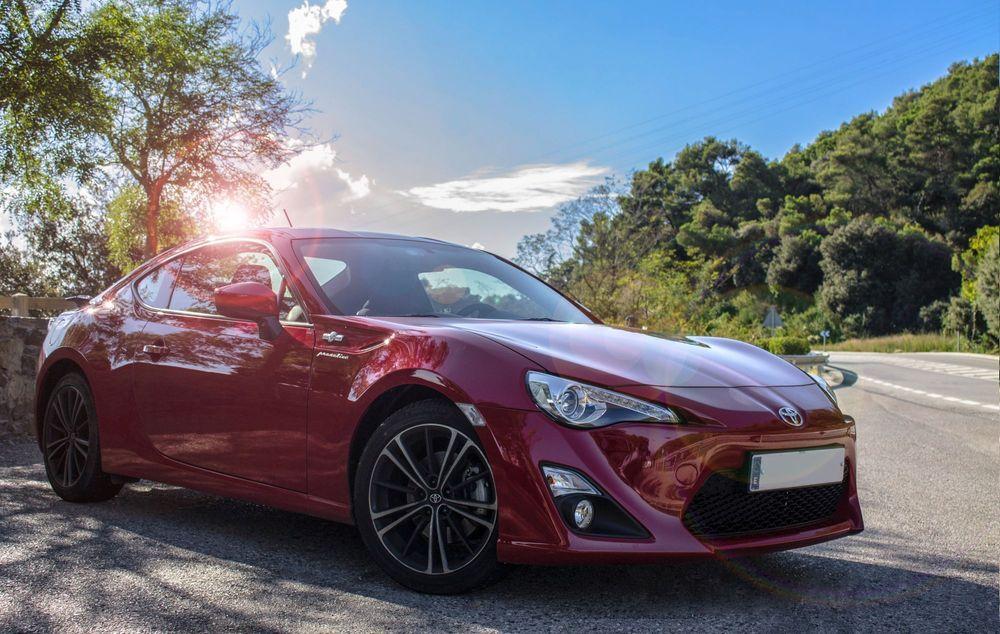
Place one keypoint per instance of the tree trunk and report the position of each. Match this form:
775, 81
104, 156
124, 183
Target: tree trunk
152, 220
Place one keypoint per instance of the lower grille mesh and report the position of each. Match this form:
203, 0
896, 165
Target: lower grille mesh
724, 507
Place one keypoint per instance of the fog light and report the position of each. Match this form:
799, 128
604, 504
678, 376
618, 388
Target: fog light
583, 514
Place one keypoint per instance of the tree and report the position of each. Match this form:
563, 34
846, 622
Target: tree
854, 171
61, 243
924, 276
962, 318
930, 159
542, 253
598, 267
48, 62
32, 43
988, 287
967, 262
188, 106
19, 272
126, 215
796, 264
178, 105
876, 280
857, 286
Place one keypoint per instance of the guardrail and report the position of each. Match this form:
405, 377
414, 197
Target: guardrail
811, 362
21, 305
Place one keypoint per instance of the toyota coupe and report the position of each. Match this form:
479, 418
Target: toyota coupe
460, 412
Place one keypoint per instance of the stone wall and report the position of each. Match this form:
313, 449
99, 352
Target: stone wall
20, 340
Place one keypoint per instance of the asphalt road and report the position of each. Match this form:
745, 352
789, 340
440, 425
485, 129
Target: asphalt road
162, 558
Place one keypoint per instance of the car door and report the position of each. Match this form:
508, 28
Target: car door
210, 392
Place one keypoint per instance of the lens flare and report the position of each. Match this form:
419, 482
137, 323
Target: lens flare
229, 215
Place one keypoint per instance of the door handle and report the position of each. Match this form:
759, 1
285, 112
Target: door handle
155, 351
333, 337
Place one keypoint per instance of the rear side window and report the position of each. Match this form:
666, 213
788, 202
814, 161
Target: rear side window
154, 289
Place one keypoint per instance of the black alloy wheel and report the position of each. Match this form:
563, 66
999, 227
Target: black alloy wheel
67, 435
70, 444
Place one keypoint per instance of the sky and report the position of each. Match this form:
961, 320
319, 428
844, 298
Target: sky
471, 121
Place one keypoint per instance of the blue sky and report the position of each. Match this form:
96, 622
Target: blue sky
468, 121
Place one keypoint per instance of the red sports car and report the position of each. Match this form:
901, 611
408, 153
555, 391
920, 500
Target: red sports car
459, 411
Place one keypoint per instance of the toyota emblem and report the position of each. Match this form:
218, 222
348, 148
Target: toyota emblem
791, 416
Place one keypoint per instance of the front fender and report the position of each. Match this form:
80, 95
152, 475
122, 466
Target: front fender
461, 366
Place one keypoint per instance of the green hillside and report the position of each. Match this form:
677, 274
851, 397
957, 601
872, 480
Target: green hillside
881, 226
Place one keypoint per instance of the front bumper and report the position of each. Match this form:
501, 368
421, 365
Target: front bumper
653, 472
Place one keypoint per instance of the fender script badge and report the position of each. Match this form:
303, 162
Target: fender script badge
332, 355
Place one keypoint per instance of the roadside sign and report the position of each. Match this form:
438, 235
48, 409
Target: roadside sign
773, 320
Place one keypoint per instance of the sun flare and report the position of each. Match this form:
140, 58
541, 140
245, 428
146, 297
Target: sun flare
229, 215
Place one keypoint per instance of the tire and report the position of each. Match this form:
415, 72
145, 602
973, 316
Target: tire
430, 536
71, 446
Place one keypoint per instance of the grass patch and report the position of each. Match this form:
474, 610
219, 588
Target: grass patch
927, 342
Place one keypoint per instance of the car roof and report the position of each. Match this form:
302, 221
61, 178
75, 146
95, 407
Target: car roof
268, 234
297, 233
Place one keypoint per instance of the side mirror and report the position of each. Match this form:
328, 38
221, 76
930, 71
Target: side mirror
250, 301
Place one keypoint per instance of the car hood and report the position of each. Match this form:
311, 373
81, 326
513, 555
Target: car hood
617, 357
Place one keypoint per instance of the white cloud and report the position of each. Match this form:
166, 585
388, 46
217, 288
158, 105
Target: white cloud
306, 21
527, 188
311, 167
359, 187
315, 158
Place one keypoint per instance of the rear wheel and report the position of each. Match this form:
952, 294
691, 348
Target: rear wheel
71, 446
426, 503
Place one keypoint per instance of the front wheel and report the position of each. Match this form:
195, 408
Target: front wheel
426, 503
71, 445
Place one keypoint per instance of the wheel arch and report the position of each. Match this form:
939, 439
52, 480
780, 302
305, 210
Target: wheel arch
47, 379
384, 405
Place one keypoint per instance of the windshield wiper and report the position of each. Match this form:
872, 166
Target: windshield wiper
419, 315
542, 319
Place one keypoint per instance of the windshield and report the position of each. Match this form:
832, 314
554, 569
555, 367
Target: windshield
385, 277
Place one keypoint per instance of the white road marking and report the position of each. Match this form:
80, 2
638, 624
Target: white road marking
986, 374
951, 399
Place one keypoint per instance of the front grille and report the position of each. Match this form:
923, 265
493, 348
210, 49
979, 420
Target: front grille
724, 506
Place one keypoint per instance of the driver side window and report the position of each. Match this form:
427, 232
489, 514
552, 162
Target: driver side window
214, 266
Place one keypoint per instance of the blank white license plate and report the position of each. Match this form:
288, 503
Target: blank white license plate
793, 469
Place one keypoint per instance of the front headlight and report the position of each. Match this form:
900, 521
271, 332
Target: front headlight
582, 405
821, 382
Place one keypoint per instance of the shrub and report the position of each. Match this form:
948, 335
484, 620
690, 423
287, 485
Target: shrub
787, 345
963, 319
932, 315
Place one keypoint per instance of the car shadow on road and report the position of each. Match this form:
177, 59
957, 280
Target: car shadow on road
201, 562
